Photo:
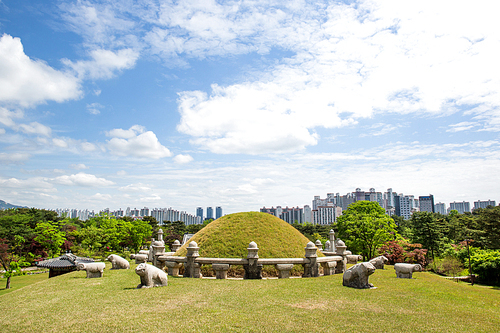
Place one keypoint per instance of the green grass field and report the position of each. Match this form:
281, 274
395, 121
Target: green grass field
72, 303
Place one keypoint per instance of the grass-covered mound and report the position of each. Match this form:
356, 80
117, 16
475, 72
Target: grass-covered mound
229, 236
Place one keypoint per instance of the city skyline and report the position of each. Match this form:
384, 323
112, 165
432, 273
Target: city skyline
246, 104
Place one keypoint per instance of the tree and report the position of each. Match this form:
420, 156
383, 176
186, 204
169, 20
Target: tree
11, 263
49, 235
488, 220
428, 231
364, 227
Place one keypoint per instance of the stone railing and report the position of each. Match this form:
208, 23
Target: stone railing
252, 264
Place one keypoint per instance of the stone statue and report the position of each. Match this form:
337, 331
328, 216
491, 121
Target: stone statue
379, 262
353, 258
118, 262
93, 269
151, 276
405, 271
357, 276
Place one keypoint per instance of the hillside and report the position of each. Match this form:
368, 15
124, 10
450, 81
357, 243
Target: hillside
6, 205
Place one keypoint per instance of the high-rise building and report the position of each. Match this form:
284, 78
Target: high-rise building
402, 206
426, 203
484, 204
292, 215
210, 213
326, 214
308, 214
440, 208
218, 212
199, 212
460, 207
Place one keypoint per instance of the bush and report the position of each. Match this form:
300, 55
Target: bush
486, 264
401, 251
449, 266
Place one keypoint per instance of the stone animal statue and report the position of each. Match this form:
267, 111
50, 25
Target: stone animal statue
93, 269
151, 276
353, 258
140, 258
379, 262
357, 276
405, 271
132, 256
118, 262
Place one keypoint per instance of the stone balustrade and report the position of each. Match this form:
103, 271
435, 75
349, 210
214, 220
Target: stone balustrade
334, 262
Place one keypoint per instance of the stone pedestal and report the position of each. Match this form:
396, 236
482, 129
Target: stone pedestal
175, 246
284, 270
220, 270
329, 267
173, 268
253, 270
319, 245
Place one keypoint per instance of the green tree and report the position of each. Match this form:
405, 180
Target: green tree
139, 233
488, 222
11, 263
90, 237
429, 231
49, 235
364, 227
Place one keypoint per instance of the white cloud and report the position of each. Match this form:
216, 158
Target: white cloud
26, 82
79, 166
6, 116
104, 63
139, 187
82, 179
135, 142
14, 158
182, 159
35, 128
94, 108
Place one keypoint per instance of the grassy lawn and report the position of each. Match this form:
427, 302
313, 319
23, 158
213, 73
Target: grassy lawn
17, 282
72, 303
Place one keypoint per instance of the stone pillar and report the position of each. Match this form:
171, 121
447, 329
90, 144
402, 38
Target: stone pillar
327, 246
220, 270
319, 245
284, 270
332, 241
192, 269
158, 249
175, 246
253, 270
311, 268
341, 251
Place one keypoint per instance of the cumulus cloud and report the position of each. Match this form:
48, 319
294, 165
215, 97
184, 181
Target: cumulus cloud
182, 159
14, 158
26, 82
82, 179
79, 166
136, 142
35, 128
94, 108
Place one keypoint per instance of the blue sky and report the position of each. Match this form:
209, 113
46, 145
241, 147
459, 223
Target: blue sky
242, 104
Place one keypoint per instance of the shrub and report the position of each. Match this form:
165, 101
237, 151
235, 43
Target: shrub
398, 251
486, 264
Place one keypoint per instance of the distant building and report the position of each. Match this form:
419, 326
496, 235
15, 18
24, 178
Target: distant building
308, 218
218, 212
484, 204
426, 203
210, 213
402, 206
326, 214
199, 212
440, 208
461, 207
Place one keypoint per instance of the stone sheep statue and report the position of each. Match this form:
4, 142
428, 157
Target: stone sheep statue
405, 271
118, 262
132, 256
93, 269
353, 258
357, 276
151, 276
140, 258
379, 262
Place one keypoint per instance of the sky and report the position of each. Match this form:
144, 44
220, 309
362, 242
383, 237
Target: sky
244, 104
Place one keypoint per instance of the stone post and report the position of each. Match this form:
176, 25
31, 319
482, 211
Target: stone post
253, 270
319, 245
192, 268
173, 268
158, 249
341, 251
175, 246
332, 241
329, 267
311, 268
327, 246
